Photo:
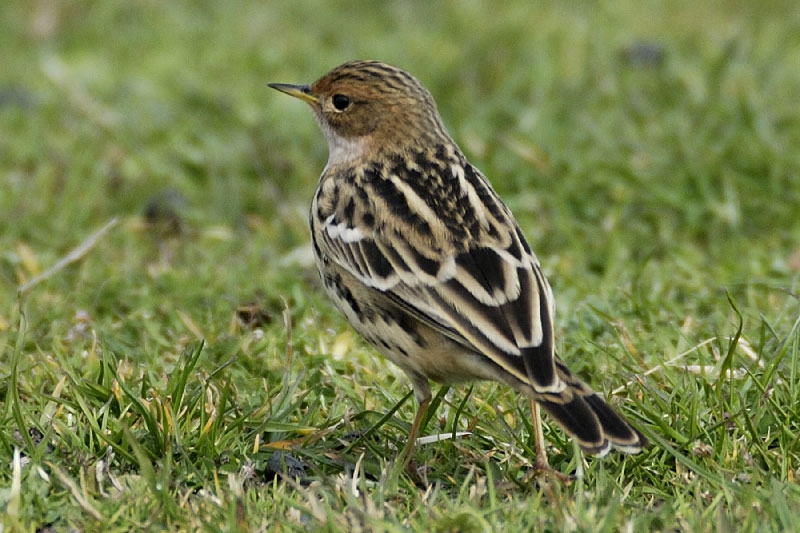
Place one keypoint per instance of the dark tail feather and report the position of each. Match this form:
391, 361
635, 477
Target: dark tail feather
589, 419
622, 435
579, 420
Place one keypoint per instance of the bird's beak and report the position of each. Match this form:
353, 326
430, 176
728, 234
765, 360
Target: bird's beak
303, 92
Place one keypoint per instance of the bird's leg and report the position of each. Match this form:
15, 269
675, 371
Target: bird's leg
422, 393
541, 467
405, 455
403, 460
540, 464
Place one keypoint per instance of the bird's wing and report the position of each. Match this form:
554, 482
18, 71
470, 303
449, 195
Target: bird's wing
487, 293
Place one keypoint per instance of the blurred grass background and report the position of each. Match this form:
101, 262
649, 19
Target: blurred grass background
648, 149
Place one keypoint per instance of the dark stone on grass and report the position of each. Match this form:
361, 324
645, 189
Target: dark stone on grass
644, 54
36, 437
253, 315
162, 212
286, 466
15, 96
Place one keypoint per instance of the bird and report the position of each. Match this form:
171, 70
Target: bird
429, 265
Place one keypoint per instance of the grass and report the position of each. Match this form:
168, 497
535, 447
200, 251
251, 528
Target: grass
172, 374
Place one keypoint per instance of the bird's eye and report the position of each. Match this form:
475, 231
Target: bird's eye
340, 102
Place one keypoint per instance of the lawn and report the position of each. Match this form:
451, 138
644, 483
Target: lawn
168, 360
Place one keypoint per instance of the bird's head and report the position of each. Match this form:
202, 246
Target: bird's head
368, 107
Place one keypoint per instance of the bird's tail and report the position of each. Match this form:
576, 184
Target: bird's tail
586, 416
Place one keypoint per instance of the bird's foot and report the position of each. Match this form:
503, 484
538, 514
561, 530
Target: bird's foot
543, 472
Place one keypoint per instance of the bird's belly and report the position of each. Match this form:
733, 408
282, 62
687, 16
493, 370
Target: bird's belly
410, 344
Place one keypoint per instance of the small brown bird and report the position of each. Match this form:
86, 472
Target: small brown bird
426, 261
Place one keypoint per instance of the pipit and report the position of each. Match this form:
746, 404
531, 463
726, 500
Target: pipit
426, 261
